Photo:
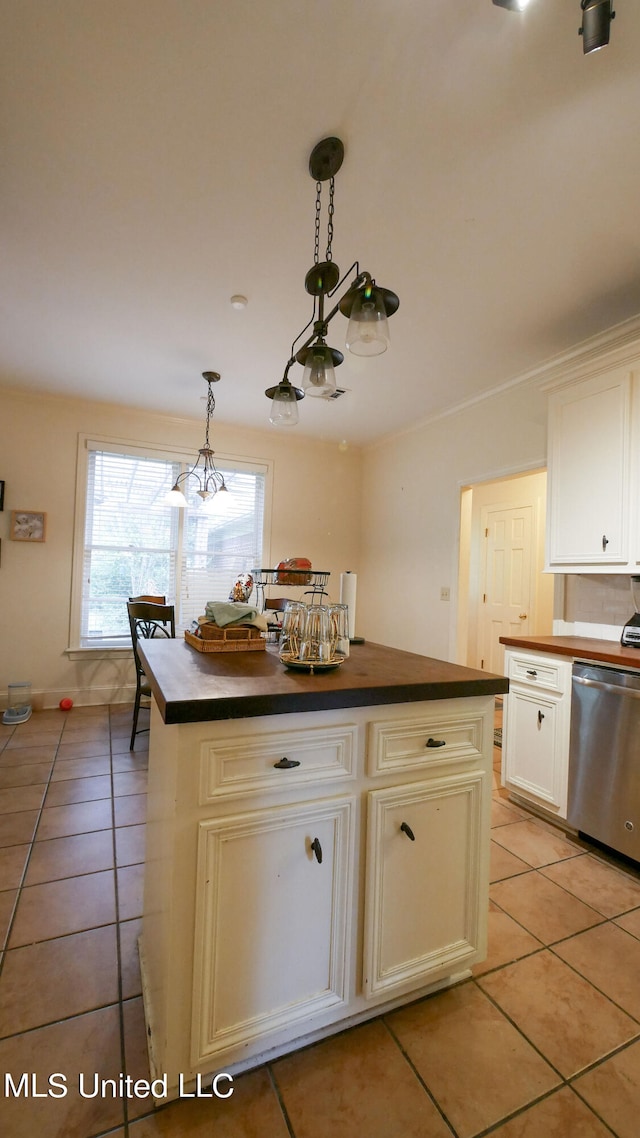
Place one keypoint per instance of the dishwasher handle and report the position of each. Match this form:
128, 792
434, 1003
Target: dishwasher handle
600, 685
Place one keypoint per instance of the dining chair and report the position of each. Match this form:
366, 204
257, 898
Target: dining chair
146, 620
154, 600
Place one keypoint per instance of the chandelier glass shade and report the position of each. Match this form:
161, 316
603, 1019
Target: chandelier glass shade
366, 305
203, 473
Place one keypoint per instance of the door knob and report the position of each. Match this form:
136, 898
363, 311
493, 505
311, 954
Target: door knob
523, 616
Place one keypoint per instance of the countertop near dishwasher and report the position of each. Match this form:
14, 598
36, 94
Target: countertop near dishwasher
579, 647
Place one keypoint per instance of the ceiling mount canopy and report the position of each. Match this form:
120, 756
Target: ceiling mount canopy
203, 473
366, 305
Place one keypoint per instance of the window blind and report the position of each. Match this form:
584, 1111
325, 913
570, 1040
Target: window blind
135, 544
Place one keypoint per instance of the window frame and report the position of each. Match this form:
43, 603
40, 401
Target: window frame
92, 442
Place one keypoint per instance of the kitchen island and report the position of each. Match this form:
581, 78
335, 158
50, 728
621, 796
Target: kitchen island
317, 847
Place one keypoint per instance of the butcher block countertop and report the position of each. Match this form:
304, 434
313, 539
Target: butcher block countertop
579, 647
192, 687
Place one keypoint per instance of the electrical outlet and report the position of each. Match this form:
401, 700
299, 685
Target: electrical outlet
445, 593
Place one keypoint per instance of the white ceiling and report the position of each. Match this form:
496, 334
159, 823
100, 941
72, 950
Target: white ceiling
155, 162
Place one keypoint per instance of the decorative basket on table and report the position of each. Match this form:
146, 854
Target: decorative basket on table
243, 638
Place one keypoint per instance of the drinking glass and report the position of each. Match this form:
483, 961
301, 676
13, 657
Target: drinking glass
339, 630
315, 641
293, 619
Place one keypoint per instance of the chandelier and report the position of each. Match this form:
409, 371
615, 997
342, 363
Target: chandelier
203, 472
366, 305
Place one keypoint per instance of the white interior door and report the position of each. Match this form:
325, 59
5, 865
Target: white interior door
507, 591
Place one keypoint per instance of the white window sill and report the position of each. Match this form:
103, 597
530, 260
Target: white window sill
100, 652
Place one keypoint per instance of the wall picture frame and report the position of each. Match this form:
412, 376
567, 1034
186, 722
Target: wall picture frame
28, 525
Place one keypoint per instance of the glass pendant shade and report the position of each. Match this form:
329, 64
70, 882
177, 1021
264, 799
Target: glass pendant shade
284, 406
368, 331
319, 377
175, 497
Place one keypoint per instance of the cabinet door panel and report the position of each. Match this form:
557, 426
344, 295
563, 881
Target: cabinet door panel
271, 921
589, 449
536, 746
423, 912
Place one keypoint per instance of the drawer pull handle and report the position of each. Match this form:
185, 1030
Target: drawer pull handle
532, 672
286, 764
406, 829
317, 849
540, 718
436, 742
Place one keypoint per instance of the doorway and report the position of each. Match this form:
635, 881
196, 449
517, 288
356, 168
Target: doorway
503, 590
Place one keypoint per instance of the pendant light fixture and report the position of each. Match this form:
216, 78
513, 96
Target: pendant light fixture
512, 5
596, 22
366, 305
203, 472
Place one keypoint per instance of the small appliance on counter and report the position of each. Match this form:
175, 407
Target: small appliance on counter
631, 632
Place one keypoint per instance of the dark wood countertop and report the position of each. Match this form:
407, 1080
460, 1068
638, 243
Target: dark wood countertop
580, 647
191, 686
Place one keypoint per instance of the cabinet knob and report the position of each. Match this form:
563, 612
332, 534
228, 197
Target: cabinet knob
540, 718
532, 672
406, 829
605, 542
436, 742
317, 849
286, 764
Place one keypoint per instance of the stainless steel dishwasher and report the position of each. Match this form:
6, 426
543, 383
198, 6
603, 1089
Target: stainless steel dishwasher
604, 757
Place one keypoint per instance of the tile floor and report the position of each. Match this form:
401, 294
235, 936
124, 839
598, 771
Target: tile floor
542, 1042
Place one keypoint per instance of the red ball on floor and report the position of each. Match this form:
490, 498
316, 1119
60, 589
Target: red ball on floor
66, 704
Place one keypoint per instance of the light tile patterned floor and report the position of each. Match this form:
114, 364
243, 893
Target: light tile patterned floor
542, 1042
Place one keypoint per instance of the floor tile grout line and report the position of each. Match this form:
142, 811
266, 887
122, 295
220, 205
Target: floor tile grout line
520, 1031
275, 1086
589, 1105
566, 1079
517, 1113
123, 1051
28, 857
411, 1064
630, 1015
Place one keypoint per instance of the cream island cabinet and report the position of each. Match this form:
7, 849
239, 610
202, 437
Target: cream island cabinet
317, 847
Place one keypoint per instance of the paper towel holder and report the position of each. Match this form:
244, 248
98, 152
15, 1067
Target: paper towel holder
350, 603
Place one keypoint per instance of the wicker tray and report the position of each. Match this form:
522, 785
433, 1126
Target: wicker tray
227, 642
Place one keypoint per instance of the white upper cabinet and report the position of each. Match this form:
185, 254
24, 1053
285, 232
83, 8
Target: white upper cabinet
592, 495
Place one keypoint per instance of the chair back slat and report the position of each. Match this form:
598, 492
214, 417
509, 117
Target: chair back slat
147, 620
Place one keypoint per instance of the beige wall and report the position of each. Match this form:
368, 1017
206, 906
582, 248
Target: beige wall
411, 513
315, 513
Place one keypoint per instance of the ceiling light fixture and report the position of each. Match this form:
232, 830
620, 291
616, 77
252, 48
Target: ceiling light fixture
596, 22
366, 305
512, 5
210, 481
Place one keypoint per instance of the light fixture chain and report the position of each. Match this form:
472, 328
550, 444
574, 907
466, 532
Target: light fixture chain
316, 247
330, 220
211, 406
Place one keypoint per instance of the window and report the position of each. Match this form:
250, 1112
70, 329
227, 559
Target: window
133, 543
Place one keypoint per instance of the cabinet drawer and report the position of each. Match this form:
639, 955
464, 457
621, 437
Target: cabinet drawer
538, 672
254, 764
406, 744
